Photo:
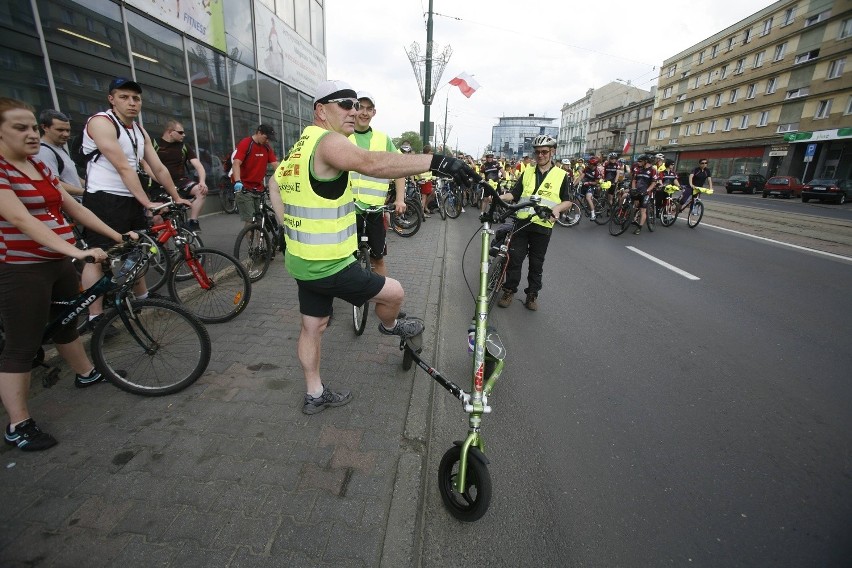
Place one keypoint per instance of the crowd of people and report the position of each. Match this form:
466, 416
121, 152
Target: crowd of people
338, 168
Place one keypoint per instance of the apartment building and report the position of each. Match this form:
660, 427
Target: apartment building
609, 130
770, 94
577, 116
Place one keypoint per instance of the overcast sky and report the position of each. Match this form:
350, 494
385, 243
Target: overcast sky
529, 57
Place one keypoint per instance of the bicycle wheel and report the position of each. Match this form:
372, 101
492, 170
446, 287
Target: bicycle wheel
254, 250
159, 264
218, 291
696, 212
359, 313
651, 215
162, 350
669, 213
571, 216
409, 222
453, 204
472, 503
601, 211
620, 218
227, 198
442, 206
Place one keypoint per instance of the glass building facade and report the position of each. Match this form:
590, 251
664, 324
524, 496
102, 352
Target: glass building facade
220, 67
512, 136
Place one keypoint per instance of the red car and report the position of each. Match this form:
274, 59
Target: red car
783, 186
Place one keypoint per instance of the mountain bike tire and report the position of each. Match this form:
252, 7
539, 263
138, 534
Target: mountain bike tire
571, 216
601, 211
696, 212
163, 349
408, 223
619, 219
668, 215
226, 288
453, 204
160, 264
254, 249
496, 277
651, 216
359, 313
228, 199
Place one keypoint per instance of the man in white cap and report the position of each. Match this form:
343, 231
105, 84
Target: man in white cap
318, 213
372, 191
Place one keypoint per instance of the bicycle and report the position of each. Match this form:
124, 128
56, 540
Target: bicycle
671, 205
622, 213
227, 197
168, 251
160, 348
256, 243
452, 199
408, 223
211, 283
440, 196
463, 478
673, 208
359, 313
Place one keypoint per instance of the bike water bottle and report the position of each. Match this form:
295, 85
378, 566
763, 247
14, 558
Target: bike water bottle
471, 337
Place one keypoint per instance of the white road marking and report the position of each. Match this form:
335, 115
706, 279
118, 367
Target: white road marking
665, 264
831, 254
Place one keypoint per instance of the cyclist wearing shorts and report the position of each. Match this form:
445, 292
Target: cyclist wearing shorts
371, 191
591, 177
174, 152
644, 181
317, 210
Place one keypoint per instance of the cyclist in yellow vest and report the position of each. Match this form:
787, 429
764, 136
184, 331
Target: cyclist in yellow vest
553, 185
317, 211
371, 191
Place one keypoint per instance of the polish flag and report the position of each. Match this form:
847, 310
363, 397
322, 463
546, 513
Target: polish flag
626, 146
466, 83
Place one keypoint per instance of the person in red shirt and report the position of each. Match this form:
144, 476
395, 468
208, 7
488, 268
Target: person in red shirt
36, 247
251, 159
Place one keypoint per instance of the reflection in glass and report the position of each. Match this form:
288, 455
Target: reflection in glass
290, 135
286, 10
291, 101
239, 35
269, 95
91, 26
303, 18
214, 139
206, 68
81, 92
274, 120
159, 105
245, 123
317, 28
17, 15
243, 83
306, 107
155, 49
24, 78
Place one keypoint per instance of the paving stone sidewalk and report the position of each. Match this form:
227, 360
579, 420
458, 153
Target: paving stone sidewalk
230, 472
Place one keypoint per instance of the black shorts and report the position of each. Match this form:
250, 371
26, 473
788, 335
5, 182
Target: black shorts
374, 224
120, 212
352, 284
641, 196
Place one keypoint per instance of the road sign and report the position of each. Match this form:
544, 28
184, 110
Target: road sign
810, 150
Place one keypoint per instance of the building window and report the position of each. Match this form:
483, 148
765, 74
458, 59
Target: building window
817, 18
727, 125
661, 134
681, 97
672, 70
723, 72
695, 83
758, 59
767, 27
699, 127
771, 85
764, 118
796, 93
740, 66
751, 90
835, 68
747, 36
845, 28
691, 106
712, 128
849, 106
744, 122
735, 94
709, 78
676, 120
718, 102
731, 43
688, 130
823, 109
667, 92
701, 58
704, 103
782, 128
780, 50
663, 113
808, 56
789, 16
714, 51
673, 141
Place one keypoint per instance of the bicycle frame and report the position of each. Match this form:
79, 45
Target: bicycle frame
488, 347
167, 230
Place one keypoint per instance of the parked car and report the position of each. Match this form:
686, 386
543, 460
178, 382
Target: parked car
783, 186
747, 183
827, 189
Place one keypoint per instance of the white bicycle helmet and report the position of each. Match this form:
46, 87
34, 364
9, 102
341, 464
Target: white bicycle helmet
544, 140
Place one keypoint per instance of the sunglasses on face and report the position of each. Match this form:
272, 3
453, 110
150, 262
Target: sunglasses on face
181, 132
542, 152
347, 104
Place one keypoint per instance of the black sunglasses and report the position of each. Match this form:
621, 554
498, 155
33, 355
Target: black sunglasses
346, 104
181, 132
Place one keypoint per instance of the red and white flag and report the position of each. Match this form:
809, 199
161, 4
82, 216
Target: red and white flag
626, 146
466, 83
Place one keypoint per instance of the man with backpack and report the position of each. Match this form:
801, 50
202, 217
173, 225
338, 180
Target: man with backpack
175, 154
248, 168
56, 129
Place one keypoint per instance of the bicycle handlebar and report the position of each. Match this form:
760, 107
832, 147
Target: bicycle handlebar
493, 216
118, 249
170, 204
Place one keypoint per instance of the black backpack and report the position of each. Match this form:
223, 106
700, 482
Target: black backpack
80, 158
60, 163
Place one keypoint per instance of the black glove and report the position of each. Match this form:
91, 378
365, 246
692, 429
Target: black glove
454, 168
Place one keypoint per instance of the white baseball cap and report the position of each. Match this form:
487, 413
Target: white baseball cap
333, 89
367, 95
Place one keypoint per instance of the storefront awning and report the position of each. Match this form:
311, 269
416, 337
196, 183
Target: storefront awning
819, 135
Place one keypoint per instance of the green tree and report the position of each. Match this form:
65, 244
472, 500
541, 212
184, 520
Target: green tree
412, 138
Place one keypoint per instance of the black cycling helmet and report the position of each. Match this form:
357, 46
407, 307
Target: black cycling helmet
643, 158
669, 162
612, 155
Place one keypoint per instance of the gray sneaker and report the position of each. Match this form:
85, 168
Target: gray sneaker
328, 398
409, 327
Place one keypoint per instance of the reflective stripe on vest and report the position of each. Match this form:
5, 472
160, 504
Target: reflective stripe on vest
367, 189
548, 190
315, 228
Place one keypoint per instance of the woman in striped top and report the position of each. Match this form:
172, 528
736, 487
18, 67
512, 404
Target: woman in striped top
36, 246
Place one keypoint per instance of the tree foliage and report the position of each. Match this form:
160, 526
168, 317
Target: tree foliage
412, 138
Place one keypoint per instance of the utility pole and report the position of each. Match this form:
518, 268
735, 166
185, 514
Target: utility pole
427, 103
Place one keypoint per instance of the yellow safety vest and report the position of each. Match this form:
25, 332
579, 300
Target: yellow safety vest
548, 190
315, 228
367, 189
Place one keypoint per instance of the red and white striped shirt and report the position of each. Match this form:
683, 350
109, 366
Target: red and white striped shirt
44, 202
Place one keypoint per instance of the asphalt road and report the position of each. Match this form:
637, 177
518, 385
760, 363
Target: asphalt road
648, 419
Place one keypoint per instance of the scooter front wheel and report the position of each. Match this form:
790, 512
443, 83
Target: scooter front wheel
470, 504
